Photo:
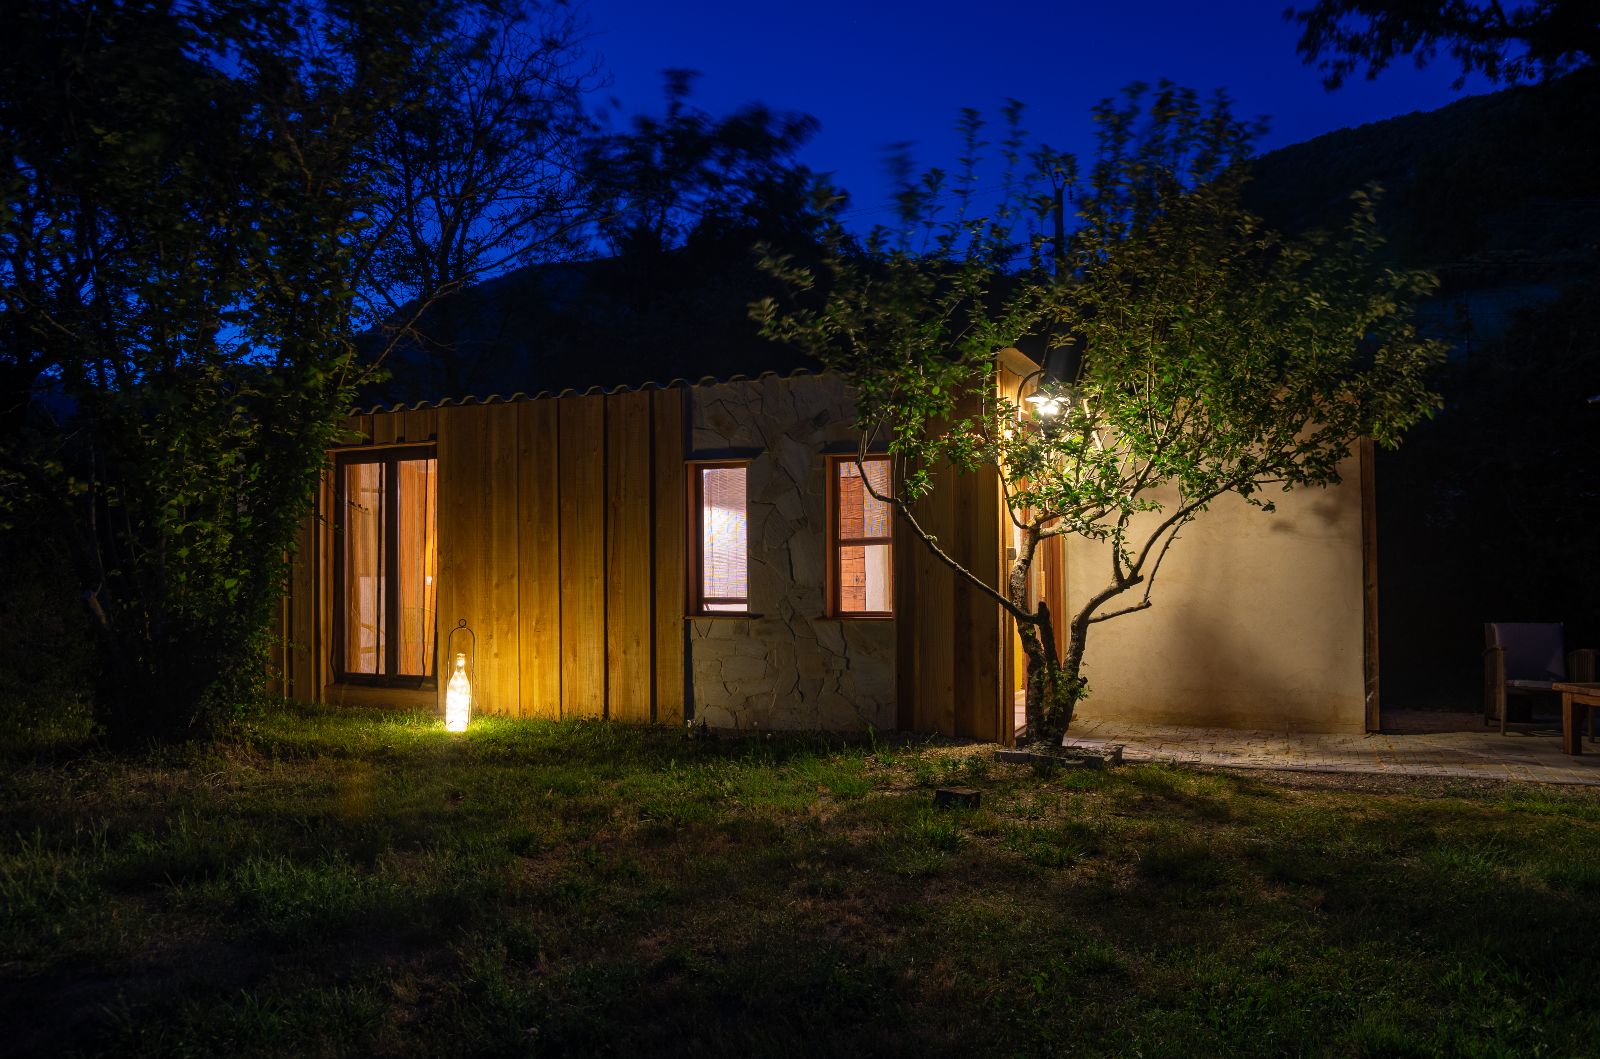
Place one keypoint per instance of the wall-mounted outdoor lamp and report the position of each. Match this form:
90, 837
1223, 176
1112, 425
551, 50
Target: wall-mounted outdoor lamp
458, 692
1045, 402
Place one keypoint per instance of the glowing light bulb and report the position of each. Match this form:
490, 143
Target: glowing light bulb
1045, 404
458, 697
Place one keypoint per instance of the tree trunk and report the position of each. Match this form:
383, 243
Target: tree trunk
1055, 684
1047, 712
1072, 682
1038, 644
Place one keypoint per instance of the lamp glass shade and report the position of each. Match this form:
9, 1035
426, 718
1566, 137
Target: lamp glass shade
458, 697
1044, 404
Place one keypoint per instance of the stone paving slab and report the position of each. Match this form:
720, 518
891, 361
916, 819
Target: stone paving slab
1412, 744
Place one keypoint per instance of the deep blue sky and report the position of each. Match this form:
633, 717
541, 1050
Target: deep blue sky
874, 72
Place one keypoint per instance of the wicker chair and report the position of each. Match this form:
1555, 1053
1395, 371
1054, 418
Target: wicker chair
1523, 659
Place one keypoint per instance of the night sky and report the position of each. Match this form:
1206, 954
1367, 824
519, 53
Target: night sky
875, 72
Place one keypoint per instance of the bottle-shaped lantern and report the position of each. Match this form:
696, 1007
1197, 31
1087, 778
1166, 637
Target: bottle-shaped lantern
458, 697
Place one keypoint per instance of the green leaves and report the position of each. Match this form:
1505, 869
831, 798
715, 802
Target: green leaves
182, 190
1505, 43
1212, 356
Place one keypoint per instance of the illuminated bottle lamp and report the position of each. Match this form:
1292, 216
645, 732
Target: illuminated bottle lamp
458, 692
458, 697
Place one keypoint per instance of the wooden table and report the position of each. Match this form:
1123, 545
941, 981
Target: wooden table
1574, 695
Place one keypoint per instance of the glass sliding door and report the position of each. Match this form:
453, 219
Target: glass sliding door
385, 563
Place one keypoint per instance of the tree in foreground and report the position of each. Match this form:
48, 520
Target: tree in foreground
1208, 356
478, 165
186, 212
1504, 42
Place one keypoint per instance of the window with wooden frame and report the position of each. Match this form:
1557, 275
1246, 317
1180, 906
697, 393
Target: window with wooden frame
719, 581
385, 562
860, 538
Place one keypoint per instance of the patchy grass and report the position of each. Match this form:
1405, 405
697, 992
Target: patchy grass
364, 884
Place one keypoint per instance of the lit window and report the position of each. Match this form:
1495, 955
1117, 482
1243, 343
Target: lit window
861, 537
385, 561
722, 560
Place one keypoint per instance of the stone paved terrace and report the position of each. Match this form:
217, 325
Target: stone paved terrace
1413, 743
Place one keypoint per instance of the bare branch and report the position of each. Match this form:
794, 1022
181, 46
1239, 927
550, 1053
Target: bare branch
932, 543
1143, 604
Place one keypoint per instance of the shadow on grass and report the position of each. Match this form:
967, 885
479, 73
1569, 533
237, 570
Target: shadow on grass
367, 884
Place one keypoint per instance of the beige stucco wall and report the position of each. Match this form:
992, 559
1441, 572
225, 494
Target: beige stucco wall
789, 665
1256, 620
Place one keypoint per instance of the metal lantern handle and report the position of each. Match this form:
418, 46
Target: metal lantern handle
1023, 385
472, 660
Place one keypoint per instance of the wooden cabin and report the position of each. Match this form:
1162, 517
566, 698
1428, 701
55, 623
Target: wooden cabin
706, 551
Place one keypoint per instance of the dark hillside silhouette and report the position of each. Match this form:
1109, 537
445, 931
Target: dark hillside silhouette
584, 324
1500, 188
678, 204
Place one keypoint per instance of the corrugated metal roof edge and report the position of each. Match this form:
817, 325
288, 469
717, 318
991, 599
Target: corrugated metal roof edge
494, 398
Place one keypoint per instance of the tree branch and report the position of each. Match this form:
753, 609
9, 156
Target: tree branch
899, 504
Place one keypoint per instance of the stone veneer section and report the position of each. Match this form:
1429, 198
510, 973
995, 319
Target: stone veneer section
788, 665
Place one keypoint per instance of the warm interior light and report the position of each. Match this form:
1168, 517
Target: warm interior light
458, 697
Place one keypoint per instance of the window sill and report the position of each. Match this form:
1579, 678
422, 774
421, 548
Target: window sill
377, 695
349, 680
819, 617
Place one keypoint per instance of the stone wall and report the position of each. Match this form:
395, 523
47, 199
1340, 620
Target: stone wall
787, 665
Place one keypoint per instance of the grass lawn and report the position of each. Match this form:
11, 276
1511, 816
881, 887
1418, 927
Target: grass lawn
364, 884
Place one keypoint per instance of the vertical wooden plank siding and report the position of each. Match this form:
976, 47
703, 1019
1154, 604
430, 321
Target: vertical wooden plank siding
999, 523
583, 526
539, 558
949, 636
908, 556
979, 697
498, 640
974, 543
458, 537
1053, 566
670, 524
419, 425
1013, 660
385, 428
933, 641
966, 639
478, 547
940, 661
922, 627
628, 582
554, 544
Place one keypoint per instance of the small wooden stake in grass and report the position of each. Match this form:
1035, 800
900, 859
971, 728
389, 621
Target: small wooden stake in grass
956, 798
